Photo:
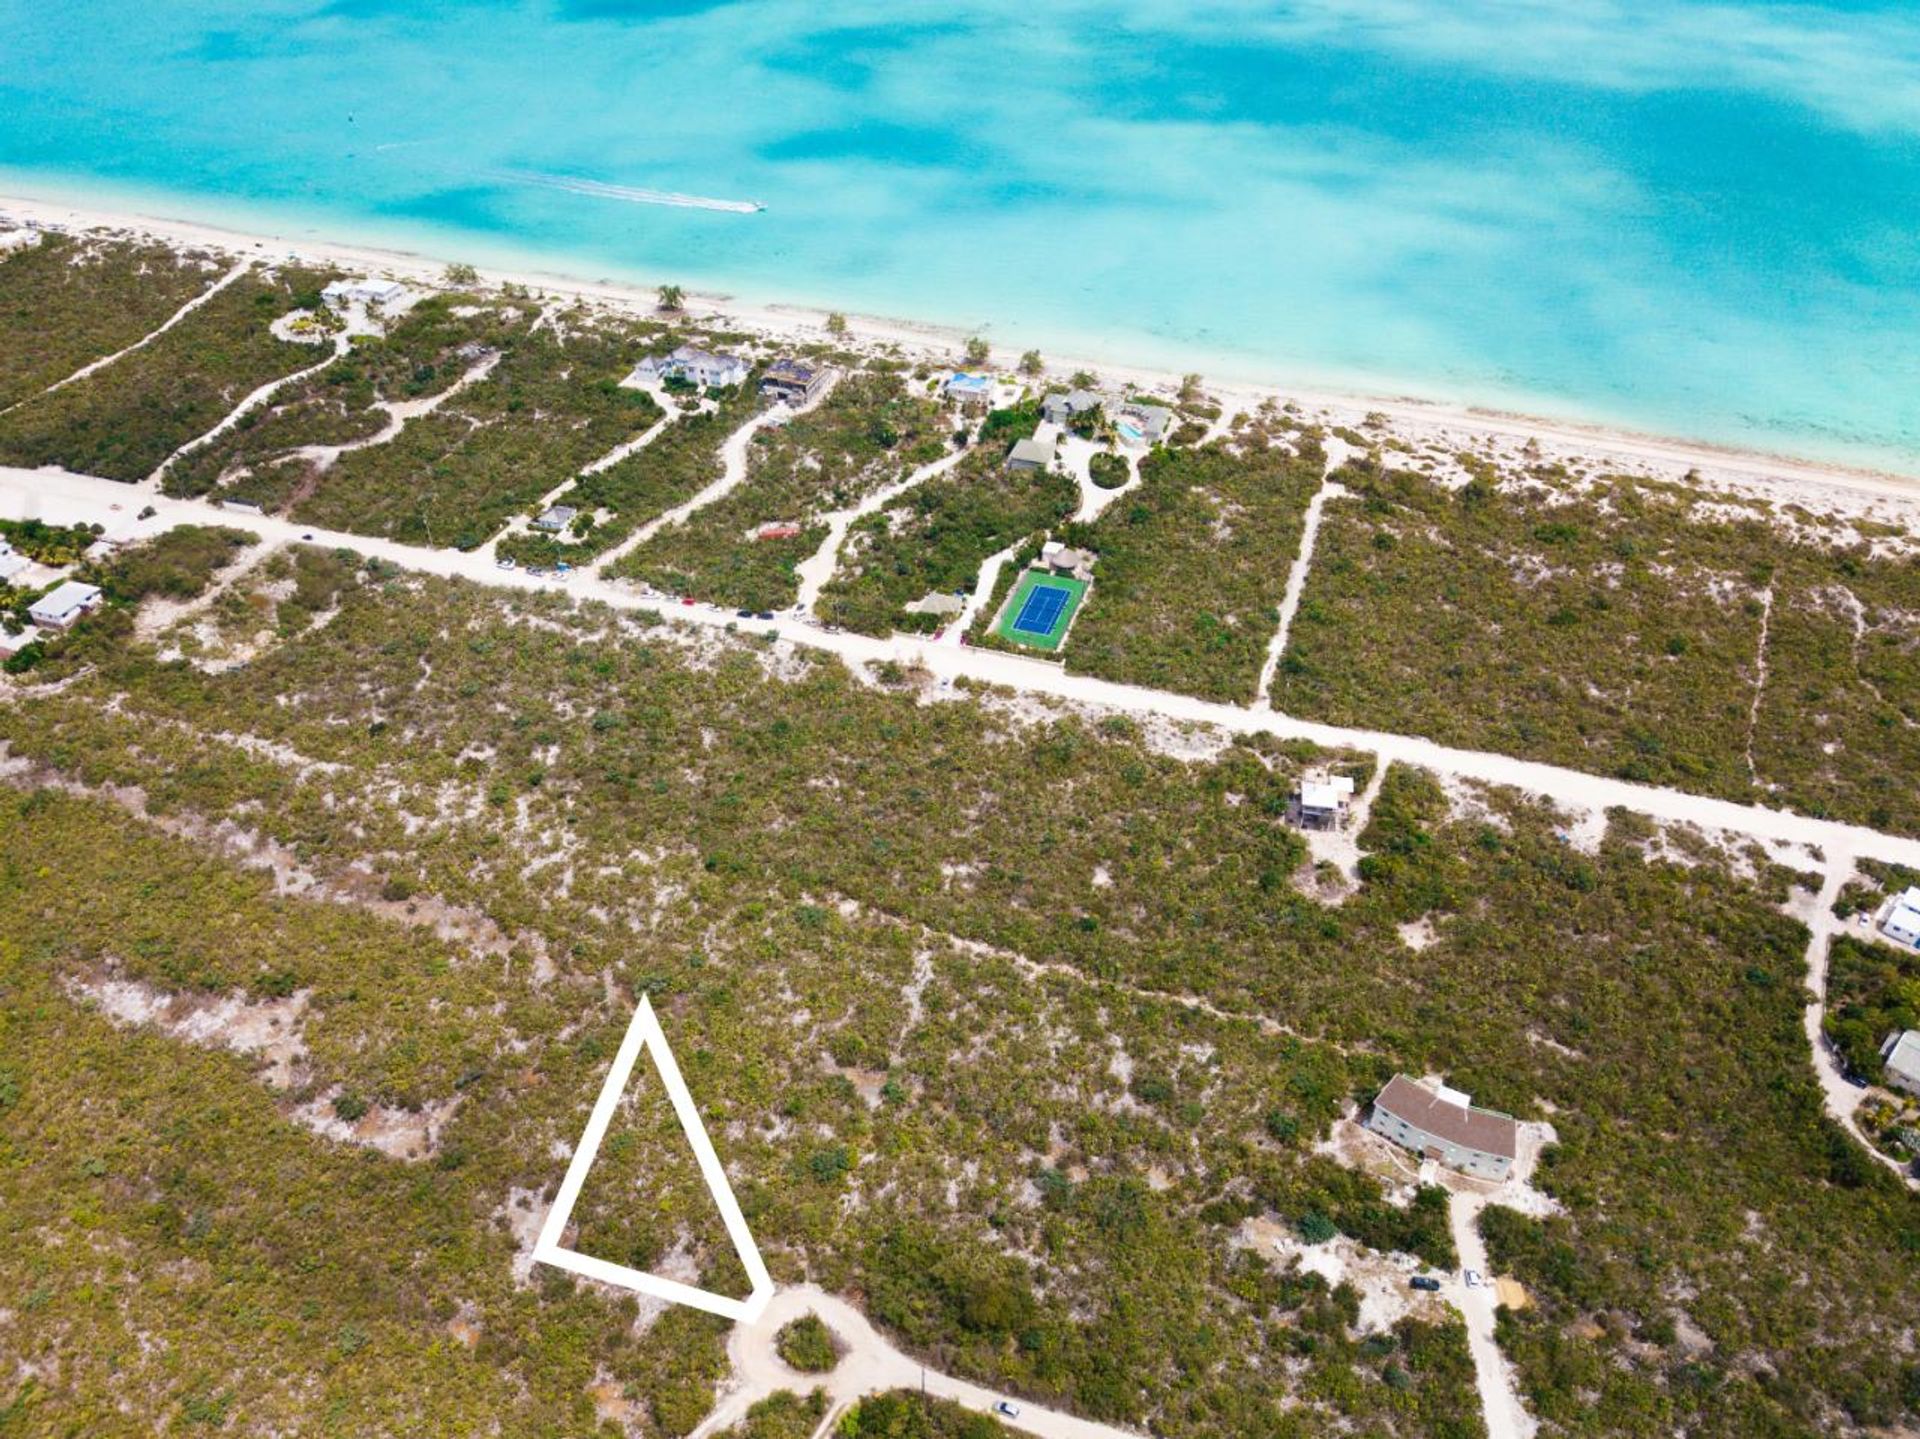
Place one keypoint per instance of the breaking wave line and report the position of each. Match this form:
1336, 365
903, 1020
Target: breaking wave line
630, 194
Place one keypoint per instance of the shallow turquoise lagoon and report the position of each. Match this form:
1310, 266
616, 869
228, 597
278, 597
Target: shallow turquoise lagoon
1693, 218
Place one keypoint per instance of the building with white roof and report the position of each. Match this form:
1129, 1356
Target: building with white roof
64, 604
11, 561
1900, 1059
1903, 919
1324, 800
366, 291
969, 391
692, 364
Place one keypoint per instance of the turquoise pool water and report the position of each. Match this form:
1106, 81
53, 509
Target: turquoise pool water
1692, 218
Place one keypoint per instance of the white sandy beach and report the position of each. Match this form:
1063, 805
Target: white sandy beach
1410, 423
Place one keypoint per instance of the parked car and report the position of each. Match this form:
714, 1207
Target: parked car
1472, 1277
1008, 1408
505, 562
1426, 1282
745, 614
764, 615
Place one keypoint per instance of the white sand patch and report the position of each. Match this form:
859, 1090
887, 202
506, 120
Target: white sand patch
268, 1028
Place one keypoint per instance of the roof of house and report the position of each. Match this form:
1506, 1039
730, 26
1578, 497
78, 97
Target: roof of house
1902, 1057
1325, 793
13, 644
1033, 452
788, 368
11, 563
1067, 559
1451, 1119
694, 355
557, 515
69, 596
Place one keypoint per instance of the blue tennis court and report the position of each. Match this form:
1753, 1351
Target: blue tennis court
1037, 613
1042, 609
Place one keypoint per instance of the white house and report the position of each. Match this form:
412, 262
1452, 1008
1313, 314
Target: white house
1442, 1124
11, 561
1903, 920
1324, 800
1900, 1059
64, 604
1060, 409
970, 392
367, 291
692, 364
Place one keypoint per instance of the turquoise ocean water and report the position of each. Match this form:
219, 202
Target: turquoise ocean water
1687, 217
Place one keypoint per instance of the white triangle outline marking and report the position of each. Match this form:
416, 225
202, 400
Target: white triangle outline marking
645, 1033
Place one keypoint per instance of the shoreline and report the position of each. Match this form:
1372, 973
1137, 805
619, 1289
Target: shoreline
1411, 417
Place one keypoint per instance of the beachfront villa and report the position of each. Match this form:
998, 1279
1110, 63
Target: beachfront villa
1058, 409
367, 291
11, 643
1323, 801
792, 382
691, 365
1900, 1060
969, 391
1142, 424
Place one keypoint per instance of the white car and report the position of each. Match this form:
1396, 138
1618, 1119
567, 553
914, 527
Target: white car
1008, 1408
505, 562
1472, 1276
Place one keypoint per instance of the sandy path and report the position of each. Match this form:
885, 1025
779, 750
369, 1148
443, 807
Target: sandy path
59, 497
955, 634
147, 339
1506, 1417
1842, 1099
1338, 453
521, 524
733, 470
252, 402
871, 1365
818, 568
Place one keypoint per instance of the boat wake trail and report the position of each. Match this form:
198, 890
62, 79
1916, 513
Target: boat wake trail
630, 194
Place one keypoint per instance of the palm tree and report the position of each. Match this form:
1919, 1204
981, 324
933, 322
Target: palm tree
672, 297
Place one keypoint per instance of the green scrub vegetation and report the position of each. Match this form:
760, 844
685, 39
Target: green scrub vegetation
551, 404
936, 536
122, 421
1620, 626
1192, 564
72, 299
871, 431
1024, 1031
